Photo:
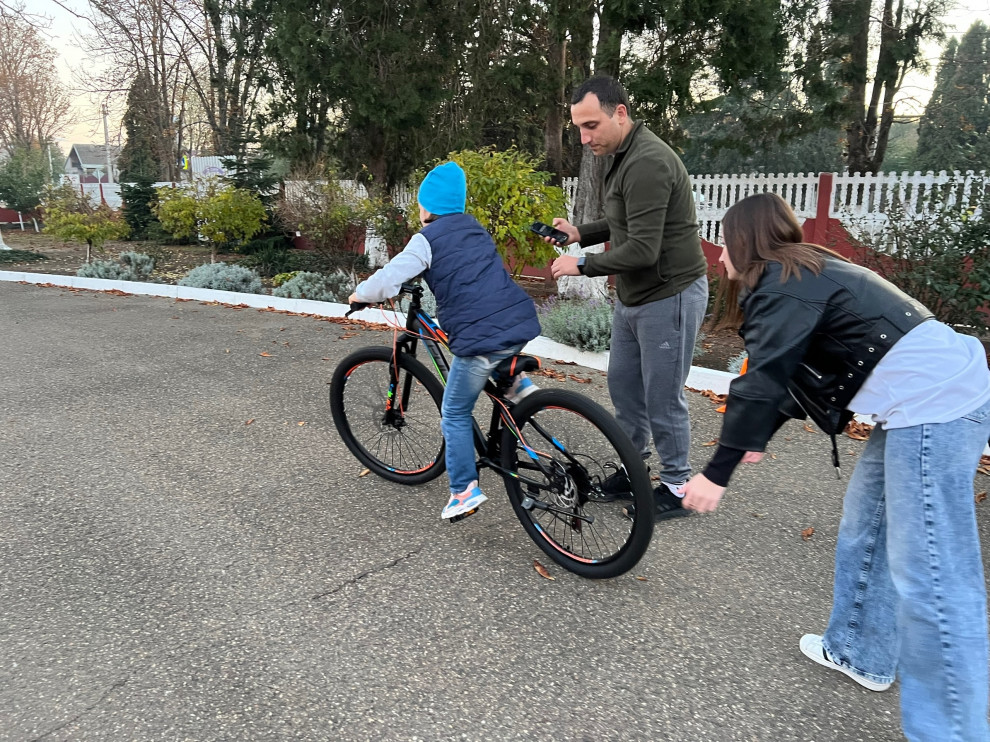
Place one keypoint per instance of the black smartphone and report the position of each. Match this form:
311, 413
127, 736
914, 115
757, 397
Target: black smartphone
545, 230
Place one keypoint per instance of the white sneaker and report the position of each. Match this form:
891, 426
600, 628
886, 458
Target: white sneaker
811, 645
521, 388
464, 501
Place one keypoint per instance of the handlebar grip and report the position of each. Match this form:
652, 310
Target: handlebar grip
356, 306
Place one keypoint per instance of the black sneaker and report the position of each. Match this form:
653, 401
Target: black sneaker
666, 505
616, 487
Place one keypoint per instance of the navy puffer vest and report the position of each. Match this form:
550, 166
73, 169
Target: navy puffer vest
479, 306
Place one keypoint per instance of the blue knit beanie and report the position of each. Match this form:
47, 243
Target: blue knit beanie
444, 190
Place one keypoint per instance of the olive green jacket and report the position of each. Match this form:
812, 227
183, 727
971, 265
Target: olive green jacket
650, 221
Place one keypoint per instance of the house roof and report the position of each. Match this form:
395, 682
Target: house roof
93, 155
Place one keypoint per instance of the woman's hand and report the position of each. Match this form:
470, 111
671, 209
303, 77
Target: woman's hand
701, 494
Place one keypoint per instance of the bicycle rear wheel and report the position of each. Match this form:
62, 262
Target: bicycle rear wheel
565, 448
394, 430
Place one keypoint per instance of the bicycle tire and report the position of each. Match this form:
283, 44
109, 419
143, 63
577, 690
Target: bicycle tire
401, 443
585, 532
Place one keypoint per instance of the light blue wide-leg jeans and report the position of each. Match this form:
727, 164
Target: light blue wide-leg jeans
909, 594
465, 381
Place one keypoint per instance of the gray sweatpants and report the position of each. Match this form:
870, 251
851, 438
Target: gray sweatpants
651, 354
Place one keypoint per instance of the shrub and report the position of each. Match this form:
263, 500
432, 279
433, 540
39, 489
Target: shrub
20, 256
735, 363
70, 215
223, 277
586, 325
940, 255
130, 266
269, 260
137, 199
329, 216
222, 215
281, 278
330, 261
506, 193
335, 287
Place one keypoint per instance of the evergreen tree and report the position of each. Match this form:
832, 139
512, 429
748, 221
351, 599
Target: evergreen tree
955, 129
146, 152
23, 177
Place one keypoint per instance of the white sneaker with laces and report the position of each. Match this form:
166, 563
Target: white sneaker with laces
461, 502
811, 645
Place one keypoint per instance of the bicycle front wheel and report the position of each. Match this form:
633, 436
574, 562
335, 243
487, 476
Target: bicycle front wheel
562, 450
389, 421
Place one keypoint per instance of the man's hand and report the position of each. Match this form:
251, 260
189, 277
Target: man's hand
565, 265
701, 494
566, 227
353, 299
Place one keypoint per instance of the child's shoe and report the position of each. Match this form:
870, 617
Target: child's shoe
462, 502
521, 388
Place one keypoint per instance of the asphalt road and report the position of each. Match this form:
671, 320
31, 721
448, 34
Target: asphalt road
170, 572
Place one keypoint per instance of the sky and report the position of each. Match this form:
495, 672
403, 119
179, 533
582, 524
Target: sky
65, 29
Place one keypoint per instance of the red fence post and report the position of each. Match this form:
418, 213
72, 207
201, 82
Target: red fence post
825, 184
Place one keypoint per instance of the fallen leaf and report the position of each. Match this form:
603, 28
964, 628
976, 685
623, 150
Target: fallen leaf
984, 470
985, 461
302, 422
809, 429
542, 571
579, 379
980, 496
713, 442
759, 515
807, 533
249, 421
347, 335
326, 359
566, 363
364, 472
265, 354
858, 431
641, 578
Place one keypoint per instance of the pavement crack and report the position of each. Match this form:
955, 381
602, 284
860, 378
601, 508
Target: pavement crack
106, 694
368, 573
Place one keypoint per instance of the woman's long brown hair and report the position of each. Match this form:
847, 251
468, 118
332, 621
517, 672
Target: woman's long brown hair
762, 228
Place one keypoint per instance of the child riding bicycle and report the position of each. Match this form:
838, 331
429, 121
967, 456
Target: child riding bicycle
485, 315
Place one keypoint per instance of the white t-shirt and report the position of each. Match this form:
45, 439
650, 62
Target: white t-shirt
931, 375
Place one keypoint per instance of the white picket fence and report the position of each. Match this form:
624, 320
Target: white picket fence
859, 202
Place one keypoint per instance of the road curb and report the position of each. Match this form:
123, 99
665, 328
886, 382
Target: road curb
698, 378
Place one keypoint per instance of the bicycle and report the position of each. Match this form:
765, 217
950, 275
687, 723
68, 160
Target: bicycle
554, 449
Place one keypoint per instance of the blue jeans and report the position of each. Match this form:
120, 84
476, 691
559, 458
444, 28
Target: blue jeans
909, 592
465, 381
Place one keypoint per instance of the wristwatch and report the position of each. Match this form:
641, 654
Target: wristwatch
580, 264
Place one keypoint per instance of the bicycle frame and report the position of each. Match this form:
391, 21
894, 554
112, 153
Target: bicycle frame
420, 326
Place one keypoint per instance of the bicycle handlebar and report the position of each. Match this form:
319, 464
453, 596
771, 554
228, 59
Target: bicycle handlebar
356, 306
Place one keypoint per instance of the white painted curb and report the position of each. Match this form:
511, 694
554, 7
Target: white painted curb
698, 378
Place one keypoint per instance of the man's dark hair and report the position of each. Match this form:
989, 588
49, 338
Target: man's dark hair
608, 91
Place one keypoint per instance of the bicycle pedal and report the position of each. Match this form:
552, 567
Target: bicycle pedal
462, 516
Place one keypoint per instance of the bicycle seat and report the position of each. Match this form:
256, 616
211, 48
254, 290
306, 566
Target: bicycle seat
508, 369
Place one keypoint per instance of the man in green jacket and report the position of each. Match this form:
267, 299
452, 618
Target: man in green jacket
661, 280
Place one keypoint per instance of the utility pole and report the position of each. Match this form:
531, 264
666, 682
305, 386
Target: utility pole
106, 144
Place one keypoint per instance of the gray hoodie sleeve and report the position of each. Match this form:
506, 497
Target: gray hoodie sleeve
387, 280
